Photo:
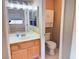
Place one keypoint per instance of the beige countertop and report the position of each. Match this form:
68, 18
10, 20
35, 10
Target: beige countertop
27, 37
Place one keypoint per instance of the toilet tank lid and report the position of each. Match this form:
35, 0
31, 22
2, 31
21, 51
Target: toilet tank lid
50, 43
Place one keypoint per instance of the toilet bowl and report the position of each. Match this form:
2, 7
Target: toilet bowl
50, 44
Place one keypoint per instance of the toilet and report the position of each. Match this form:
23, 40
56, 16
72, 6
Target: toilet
50, 44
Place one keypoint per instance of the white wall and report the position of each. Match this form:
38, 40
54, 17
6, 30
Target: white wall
41, 25
4, 31
67, 31
73, 46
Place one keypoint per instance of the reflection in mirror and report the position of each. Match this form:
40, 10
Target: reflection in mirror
16, 20
23, 15
34, 16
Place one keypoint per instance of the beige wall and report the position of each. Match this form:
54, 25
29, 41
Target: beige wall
50, 4
57, 19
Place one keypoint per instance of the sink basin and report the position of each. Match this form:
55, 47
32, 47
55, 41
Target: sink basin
23, 37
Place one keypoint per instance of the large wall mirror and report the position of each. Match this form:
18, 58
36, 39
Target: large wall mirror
34, 16
16, 20
22, 14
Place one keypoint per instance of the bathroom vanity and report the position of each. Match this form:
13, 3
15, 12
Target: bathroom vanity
24, 33
26, 46
25, 50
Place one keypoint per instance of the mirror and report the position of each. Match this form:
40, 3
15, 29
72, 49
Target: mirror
34, 16
16, 20
22, 15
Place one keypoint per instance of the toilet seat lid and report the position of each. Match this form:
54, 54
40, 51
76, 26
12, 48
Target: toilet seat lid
51, 43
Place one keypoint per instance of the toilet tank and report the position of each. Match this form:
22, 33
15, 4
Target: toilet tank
47, 36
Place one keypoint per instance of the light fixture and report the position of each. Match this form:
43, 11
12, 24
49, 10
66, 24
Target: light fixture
29, 7
10, 5
19, 6
35, 8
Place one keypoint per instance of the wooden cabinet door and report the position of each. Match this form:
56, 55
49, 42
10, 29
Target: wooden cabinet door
30, 52
36, 48
27, 50
36, 51
20, 54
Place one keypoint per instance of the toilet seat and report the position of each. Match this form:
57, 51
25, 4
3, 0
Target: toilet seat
51, 44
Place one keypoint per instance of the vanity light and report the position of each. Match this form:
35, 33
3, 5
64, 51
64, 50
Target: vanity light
24, 7
19, 6
29, 7
10, 5
35, 8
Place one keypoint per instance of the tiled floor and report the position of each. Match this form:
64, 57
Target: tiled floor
53, 57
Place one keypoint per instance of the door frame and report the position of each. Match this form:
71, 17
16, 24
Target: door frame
66, 29
65, 20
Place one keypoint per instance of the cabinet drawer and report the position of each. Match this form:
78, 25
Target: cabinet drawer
14, 47
26, 44
37, 42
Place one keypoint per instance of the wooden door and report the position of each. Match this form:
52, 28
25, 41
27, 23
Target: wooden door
20, 54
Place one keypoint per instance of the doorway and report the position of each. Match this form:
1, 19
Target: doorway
52, 28
62, 24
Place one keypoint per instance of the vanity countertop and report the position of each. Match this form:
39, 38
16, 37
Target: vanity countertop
27, 37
